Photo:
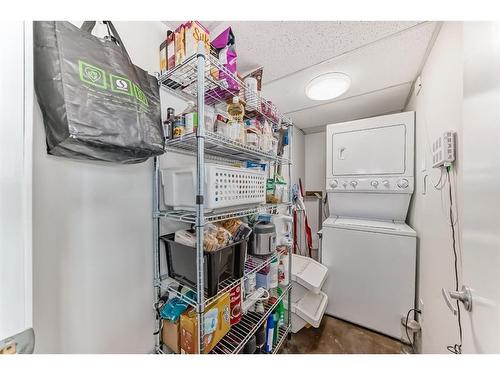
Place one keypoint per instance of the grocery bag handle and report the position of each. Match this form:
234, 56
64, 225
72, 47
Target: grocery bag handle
88, 26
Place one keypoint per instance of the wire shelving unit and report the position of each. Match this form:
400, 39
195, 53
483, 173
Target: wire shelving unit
197, 79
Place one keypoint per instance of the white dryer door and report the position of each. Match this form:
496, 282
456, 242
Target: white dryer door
375, 151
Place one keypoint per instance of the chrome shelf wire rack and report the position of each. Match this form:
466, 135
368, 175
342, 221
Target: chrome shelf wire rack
189, 217
203, 79
218, 147
253, 265
182, 81
282, 333
239, 334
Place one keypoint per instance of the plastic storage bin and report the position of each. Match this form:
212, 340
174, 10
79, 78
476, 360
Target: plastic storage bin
308, 301
308, 310
224, 187
308, 273
219, 265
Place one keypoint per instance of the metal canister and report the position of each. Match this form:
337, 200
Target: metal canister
263, 239
168, 124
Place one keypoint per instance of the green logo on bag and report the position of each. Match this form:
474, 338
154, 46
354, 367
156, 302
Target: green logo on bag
140, 95
121, 85
92, 74
97, 77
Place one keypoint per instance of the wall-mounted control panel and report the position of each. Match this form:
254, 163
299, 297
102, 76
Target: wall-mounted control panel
443, 150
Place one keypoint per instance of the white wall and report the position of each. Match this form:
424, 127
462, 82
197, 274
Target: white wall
92, 239
15, 183
298, 157
315, 161
438, 108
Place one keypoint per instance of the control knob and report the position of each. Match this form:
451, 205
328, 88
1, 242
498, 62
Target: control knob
403, 183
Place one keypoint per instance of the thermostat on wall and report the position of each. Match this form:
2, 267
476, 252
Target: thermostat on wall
443, 150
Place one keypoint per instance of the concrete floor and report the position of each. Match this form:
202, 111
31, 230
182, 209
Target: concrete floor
336, 336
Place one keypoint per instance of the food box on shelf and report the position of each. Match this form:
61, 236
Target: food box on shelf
216, 320
170, 335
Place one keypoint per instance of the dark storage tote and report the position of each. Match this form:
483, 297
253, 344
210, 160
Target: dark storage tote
219, 265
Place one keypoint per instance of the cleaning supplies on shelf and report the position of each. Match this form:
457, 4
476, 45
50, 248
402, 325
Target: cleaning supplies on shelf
283, 278
268, 348
273, 270
276, 326
280, 309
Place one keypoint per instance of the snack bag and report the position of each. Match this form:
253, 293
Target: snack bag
225, 44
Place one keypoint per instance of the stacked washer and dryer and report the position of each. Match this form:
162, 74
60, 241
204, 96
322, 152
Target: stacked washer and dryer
368, 248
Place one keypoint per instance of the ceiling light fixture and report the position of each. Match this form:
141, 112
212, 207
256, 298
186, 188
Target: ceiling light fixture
328, 86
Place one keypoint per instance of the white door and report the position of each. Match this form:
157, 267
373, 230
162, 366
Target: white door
16, 115
481, 186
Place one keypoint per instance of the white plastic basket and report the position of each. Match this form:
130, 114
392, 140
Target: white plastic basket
224, 187
309, 309
308, 273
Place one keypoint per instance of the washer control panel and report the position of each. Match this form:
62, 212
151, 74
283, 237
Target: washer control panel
370, 184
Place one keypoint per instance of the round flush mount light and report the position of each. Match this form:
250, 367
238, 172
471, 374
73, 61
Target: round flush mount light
328, 86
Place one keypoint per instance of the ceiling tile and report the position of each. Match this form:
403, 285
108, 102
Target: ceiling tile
284, 47
386, 63
373, 104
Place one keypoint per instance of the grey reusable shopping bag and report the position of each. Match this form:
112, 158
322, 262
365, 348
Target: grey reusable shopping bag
96, 104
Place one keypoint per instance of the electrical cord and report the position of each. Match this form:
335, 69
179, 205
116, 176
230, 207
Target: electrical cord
406, 326
438, 185
457, 348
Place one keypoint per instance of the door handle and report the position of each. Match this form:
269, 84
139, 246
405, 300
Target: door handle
464, 296
341, 153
